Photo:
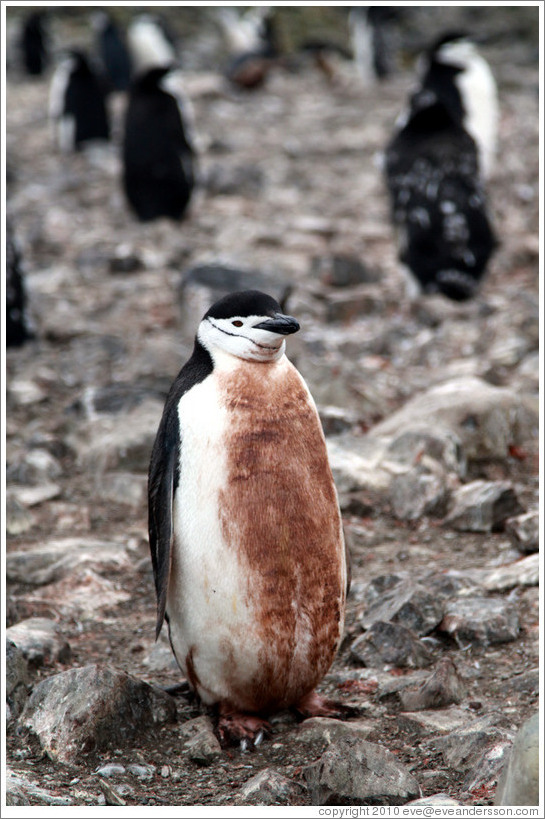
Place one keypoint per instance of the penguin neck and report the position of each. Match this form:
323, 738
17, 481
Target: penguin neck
225, 362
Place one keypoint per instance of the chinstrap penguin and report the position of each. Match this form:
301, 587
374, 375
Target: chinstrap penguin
34, 43
113, 51
435, 183
18, 330
158, 153
77, 103
251, 39
244, 524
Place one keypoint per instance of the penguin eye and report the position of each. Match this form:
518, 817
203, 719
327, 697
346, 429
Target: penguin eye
237, 323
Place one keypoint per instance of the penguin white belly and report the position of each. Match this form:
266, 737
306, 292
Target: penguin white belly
206, 608
258, 577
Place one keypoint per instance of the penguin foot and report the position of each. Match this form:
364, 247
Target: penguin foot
246, 729
314, 705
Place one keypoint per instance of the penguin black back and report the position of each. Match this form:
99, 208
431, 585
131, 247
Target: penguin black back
78, 102
113, 52
17, 329
34, 44
158, 173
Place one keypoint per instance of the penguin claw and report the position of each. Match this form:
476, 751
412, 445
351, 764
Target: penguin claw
246, 730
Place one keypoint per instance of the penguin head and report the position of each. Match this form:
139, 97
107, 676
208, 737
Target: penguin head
248, 325
456, 50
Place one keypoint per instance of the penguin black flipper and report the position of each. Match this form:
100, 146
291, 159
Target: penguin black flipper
164, 476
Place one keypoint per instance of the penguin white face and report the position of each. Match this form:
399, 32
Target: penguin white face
248, 325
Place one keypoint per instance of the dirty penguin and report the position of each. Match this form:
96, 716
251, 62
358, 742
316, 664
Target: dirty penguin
244, 524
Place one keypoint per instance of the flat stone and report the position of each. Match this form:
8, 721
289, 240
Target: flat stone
436, 722
443, 687
40, 640
34, 468
519, 780
524, 572
82, 593
436, 799
144, 773
92, 708
53, 560
464, 747
523, 531
111, 769
481, 620
353, 302
322, 731
21, 790
389, 644
356, 772
268, 787
483, 506
34, 495
408, 604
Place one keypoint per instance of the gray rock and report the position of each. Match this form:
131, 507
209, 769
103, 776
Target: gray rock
34, 468
111, 769
486, 419
483, 506
92, 708
464, 747
319, 732
141, 771
122, 442
484, 773
201, 743
50, 561
408, 604
389, 644
124, 487
351, 303
440, 444
40, 640
523, 531
336, 420
355, 772
435, 722
420, 491
34, 495
357, 463
19, 519
342, 270
268, 787
519, 780
524, 572
17, 680
481, 620
437, 799
20, 790
443, 687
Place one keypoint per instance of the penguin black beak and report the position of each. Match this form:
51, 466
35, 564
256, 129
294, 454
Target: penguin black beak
279, 323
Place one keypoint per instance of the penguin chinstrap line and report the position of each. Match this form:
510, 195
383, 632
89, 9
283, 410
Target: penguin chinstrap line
244, 524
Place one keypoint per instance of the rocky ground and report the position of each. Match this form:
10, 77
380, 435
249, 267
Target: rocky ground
430, 411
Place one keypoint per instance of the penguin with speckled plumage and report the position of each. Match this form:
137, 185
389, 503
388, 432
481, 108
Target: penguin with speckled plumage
436, 165
244, 524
